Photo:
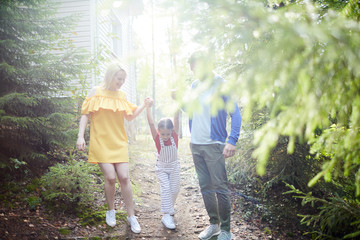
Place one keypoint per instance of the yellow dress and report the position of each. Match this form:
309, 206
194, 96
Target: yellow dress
108, 140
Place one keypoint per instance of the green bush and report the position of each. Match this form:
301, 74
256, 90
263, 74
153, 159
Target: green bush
70, 185
337, 217
33, 202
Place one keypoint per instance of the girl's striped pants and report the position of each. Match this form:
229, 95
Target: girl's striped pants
169, 178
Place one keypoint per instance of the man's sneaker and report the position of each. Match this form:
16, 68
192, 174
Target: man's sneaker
225, 235
168, 221
135, 227
210, 231
110, 218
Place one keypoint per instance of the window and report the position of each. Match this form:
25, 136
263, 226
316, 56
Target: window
117, 37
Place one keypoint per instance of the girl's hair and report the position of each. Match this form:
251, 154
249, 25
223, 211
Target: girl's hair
165, 123
112, 69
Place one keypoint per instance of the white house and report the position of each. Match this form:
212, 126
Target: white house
105, 26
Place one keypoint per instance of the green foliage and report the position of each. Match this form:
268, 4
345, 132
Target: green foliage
267, 230
241, 167
33, 202
64, 231
352, 10
11, 194
338, 217
37, 63
14, 194
14, 164
94, 218
301, 62
70, 185
296, 168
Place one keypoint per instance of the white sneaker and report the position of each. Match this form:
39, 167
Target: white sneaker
224, 235
110, 218
135, 227
168, 221
210, 231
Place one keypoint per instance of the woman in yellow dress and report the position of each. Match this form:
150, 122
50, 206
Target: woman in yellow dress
106, 106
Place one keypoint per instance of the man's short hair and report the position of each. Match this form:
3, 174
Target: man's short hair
199, 55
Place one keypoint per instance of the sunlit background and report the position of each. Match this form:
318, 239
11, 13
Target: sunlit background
161, 48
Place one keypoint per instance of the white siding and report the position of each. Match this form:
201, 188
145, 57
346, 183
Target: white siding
105, 38
94, 32
81, 34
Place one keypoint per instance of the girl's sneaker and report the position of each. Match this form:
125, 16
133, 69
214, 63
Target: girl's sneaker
135, 226
168, 221
111, 218
172, 212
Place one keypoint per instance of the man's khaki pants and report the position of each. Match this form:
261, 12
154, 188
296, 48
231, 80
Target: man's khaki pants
210, 168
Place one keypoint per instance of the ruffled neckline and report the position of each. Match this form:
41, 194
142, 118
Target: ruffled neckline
109, 100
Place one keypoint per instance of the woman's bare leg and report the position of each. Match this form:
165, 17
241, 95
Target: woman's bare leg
109, 172
122, 170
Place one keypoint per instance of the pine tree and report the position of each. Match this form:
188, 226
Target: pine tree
37, 63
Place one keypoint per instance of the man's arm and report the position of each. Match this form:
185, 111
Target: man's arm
230, 147
177, 113
176, 122
235, 125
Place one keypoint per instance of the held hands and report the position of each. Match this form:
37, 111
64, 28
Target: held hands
148, 102
81, 144
229, 150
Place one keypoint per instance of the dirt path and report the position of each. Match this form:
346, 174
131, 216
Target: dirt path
189, 212
190, 216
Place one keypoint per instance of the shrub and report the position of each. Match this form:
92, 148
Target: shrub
337, 217
33, 202
70, 185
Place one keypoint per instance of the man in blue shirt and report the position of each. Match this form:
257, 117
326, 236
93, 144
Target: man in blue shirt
210, 145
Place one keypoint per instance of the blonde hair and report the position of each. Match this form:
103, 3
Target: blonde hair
111, 71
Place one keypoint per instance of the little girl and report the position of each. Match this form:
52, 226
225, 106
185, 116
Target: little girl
167, 164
